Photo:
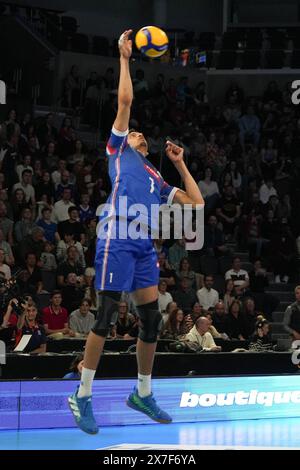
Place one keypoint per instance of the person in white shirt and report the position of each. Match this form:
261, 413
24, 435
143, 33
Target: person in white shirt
209, 189
239, 276
207, 296
61, 207
199, 334
26, 185
4, 268
266, 191
164, 297
26, 165
56, 174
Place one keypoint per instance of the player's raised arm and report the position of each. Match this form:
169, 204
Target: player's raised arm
192, 194
125, 91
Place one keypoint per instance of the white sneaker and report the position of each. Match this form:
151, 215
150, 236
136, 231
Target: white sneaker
286, 279
277, 279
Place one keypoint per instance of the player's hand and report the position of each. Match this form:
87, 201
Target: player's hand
125, 44
174, 152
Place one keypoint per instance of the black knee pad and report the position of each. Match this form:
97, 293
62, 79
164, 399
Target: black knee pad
107, 314
150, 322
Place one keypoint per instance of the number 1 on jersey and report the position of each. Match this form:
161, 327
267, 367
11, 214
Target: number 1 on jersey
111, 277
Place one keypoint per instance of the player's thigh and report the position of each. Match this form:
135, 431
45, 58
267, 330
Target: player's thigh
146, 275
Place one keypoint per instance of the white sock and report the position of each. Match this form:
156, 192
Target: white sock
86, 381
144, 385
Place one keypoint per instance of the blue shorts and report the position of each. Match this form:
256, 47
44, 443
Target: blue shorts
125, 265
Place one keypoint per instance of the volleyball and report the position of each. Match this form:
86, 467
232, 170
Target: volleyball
152, 41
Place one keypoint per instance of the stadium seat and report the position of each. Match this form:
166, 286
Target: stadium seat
69, 24
225, 263
209, 265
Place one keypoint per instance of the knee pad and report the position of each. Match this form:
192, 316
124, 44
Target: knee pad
107, 314
150, 322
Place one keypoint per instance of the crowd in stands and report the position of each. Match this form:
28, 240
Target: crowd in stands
244, 154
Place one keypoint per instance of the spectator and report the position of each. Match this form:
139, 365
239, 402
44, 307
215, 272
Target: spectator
18, 204
249, 127
82, 320
209, 190
236, 322
6, 225
86, 212
258, 283
55, 317
33, 243
230, 294
284, 245
34, 279
176, 253
185, 297
266, 191
165, 273
65, 183
214, 244
48, 132
27, 187
89, 289
212, 330
190, 318
229, 211
49, 227
24, 227
56, 175
251, 316
67, 242
207, 296
186, 272
62, 206
72, 292
220, 318
29, 325
8, 254
45, 187
71, 265
261, 339
126, 325
169, 309
199, 334
164, 297
72, 225
75, 368
292, 317
175, 327
26, 165
239, 276
48, 260
4, 268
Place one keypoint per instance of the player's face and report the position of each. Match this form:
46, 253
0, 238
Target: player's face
138, 142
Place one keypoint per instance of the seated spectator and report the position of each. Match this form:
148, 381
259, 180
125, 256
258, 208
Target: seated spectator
126, 325
268, 163
214, 243
86, 211
261, 340
18, 204
27, 187
33, 243
75, 368
209, 190
229, 211
61, 207
48, 260
25, 165
8, 322
266, 191
175, 327
4, 268
49, 227
89, 289
71, 265
190, 318
291, 318
72, 225
45, 186
160, 247
207, 296
184, 296
164, 297
67, 242
251, 315
8, 254
169, 309
55, 317
24, 226
165, 273
258, 283
220, 318
82, 320
34, 279
186, 272
65, 183
239, 276
237, 325
199, 334
249, 126
29, 325
230, 294
176, 253
6, 225
72, 292
212, 330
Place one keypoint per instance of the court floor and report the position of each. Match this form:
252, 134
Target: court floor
265, 433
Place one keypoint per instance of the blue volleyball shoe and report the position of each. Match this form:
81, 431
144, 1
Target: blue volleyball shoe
148, 406
83, 413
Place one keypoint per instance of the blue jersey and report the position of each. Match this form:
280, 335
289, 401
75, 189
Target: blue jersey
133, 176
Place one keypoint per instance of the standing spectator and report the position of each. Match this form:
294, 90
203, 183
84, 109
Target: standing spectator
55, 317
207, 296
164, 297
176, 253
292, 317
82, 320
199, 334
28, 325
